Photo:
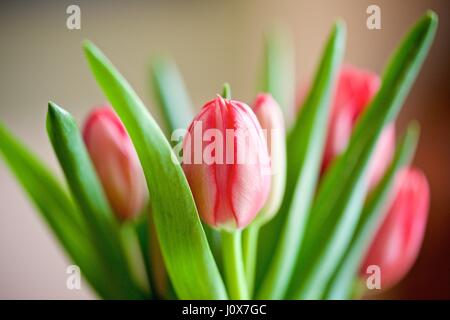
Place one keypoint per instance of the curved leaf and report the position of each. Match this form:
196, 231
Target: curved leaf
86, 189
184, 246
57, 209
278, 72
304, 151
171, 94
338, 205
340, 284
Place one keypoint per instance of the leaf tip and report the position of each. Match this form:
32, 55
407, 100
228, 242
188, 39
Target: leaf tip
54, 114
339, 28
431, 16
53, 108
88, 45
428, 23
338, 35
91, 51
160, 60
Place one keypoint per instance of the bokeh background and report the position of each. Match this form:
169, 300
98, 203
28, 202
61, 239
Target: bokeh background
212, 42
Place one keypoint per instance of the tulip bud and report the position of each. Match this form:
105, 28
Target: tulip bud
116, 162
355, 89
397, 242
226, 163
270, 116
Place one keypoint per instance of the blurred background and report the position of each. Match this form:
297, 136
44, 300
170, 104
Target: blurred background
212, 42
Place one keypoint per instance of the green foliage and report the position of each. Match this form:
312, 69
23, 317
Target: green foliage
184, 246
313, 247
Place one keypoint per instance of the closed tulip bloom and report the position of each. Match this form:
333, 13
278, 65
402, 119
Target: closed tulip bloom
270, 116
116, 162
397, 242
226, 163
355, 89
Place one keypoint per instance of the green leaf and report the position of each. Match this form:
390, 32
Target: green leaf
57, 209
184, 246
86, 189
171, 94
340, 284
340, 198
304, 152
175, 104
278, 72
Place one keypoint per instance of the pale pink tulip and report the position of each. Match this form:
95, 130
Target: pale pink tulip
355, 89
116, 162
270, 116
226, 163
396, 244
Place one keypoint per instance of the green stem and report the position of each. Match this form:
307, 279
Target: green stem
250, 247
226, 91
234, 266
159, 272
134, 257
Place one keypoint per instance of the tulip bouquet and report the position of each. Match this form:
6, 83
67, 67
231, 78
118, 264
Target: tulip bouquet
239, 202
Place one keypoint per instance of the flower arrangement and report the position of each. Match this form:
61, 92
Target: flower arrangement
247, 202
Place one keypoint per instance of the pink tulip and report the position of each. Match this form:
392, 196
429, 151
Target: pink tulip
226, 163
355, 89
270, 116
116, 162
396, 244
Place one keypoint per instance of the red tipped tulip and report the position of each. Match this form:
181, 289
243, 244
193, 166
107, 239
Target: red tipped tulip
116, 162
226, 163
271, 119
397, 242
355, 89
